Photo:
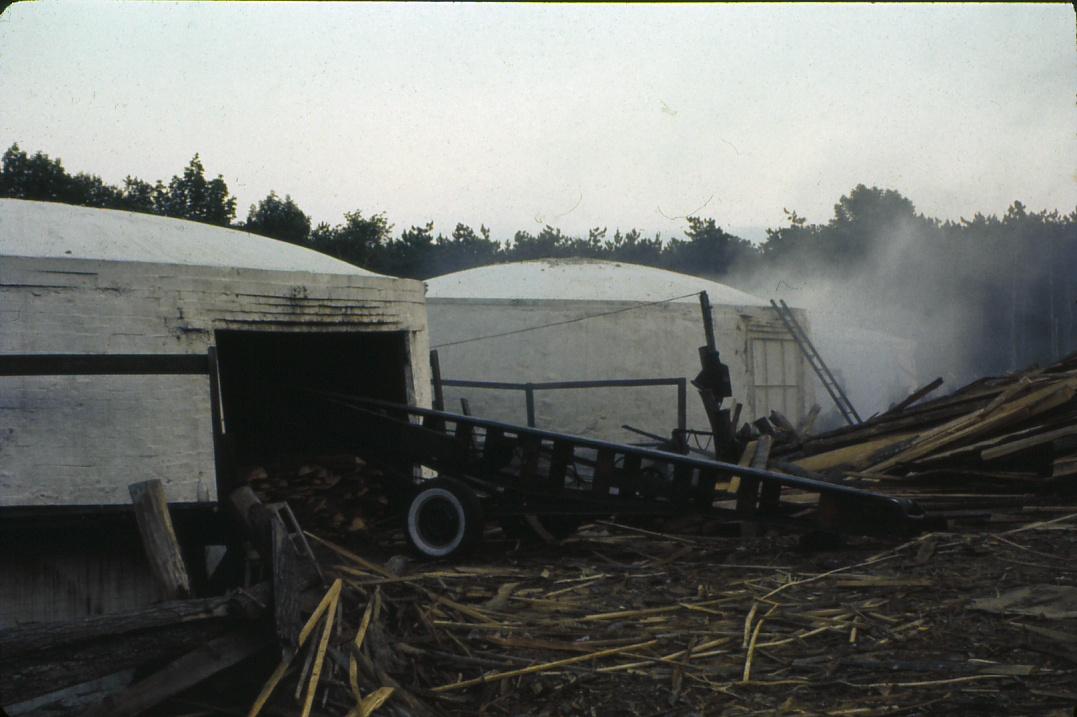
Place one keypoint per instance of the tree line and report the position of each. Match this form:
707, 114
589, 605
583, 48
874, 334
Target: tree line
1001, 287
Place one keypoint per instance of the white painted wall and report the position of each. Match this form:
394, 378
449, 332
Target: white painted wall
646, 341
83, 440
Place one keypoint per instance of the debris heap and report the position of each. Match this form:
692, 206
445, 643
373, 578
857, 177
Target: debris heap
997, 443
628, 619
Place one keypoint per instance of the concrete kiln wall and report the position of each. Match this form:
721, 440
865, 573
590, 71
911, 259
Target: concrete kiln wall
82, 440
644, 342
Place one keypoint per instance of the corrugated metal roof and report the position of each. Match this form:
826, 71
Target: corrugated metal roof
581, 280
63, 231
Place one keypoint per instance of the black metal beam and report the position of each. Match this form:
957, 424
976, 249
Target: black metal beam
103, 364
903, 506
557, 385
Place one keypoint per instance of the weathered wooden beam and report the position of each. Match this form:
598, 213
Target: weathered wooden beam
1015, 446
159, 539
293, 573
39, 673
748, 492
190, 669
916, 396
41, 636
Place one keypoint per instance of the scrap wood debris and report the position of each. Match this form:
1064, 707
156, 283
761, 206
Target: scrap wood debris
630, 619
622, 623
997, 443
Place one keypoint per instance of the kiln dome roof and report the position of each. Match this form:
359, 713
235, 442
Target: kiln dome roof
63, 231
581, 280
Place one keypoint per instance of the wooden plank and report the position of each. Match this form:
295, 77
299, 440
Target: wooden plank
982, 422
190, 669
1020, 445
289, 579
159, 539
1065, 466
39, 673
915, 396
329, 599
435, 375
38, 636
745, 460
854, 456
319, 655
748, 492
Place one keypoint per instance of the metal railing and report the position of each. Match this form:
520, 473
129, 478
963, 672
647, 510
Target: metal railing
529, 388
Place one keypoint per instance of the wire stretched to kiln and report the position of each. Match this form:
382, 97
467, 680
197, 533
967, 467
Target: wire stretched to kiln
562, 323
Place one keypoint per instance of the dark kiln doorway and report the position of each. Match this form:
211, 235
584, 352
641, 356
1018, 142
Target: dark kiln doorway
268, 415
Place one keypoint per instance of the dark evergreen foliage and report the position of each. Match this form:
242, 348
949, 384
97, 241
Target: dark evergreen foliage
1017, 272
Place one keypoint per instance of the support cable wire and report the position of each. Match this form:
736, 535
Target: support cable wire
562, 323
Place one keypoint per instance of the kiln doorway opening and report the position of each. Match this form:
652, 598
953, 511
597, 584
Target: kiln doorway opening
267, 414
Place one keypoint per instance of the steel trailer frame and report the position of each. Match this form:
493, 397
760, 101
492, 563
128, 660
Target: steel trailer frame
519, 470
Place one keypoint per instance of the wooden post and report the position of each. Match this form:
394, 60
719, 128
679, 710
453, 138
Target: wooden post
708, 320
748, 493
435, 375
256, 520
159, 539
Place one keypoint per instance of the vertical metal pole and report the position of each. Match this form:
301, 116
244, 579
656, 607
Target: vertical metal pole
435, 376
682, 403
529, 394
222, 463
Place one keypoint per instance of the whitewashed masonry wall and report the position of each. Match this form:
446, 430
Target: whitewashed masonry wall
82, 440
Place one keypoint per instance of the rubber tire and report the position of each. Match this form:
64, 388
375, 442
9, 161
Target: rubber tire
458, 503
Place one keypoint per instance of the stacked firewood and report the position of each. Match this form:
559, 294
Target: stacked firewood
343, 496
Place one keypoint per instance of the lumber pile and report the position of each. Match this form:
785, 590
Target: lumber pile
999, 441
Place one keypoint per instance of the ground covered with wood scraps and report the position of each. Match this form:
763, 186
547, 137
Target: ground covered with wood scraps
619, 620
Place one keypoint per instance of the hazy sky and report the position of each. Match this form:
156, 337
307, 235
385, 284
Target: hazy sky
577, 116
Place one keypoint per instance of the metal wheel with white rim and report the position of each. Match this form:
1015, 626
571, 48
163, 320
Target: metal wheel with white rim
444, 518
